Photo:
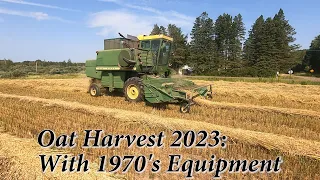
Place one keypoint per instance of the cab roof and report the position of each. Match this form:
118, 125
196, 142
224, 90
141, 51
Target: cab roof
159, 36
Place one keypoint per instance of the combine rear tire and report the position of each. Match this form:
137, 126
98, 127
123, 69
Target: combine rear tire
95, 90
133, 90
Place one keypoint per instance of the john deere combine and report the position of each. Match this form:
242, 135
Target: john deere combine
138, 66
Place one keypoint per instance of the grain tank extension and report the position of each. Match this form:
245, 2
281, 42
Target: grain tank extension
139, 67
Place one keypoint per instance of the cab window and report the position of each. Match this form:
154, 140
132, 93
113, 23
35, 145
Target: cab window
155, 44
145, 44
164, 53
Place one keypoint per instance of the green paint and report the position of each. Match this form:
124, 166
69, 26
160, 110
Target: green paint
114, 66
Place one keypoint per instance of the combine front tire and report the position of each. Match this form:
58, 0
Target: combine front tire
184, 107
133, 90
95, 90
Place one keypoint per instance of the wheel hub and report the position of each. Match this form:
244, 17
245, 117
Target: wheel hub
132, 92
93, 91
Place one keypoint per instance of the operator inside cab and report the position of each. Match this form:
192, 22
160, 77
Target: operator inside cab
156, 53
164, 52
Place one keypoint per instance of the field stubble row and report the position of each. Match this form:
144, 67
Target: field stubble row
36, 114
299, 126
267, 94
29, 119
263, 94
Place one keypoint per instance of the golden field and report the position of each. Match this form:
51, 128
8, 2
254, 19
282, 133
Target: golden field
262, 121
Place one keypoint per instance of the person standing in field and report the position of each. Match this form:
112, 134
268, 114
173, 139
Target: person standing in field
277, 75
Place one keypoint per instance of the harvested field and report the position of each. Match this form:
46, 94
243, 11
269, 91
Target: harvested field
24, 163
261, 120
269, 141
271, 122
267, 94
288, 111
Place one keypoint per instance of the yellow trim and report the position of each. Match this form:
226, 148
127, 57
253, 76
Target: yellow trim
160, 36
115, 68
132, 92
110, 49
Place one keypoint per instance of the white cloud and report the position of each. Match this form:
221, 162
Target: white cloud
114, 21
37, 4
114, 1
144, 8
122, 3
152, 10
36, 15
182, 16
189, 38
39, 15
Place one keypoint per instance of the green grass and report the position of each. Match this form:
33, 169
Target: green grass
55, 76
309, 75
282, 79
287, 80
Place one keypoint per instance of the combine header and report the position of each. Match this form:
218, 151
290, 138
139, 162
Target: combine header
139, 67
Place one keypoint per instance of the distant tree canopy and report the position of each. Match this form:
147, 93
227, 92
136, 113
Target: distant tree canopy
9, 69
158, 30
219, 47
267, 49
179, 46
312, 58
202, 47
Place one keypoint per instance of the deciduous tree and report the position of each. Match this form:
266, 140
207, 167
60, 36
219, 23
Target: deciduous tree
313, 55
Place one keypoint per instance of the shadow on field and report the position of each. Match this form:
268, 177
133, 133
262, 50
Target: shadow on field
158, 106
114, 94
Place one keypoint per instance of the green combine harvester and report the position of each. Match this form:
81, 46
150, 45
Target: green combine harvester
139, 67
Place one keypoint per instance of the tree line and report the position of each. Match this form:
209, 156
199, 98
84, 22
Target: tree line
219, 47
10, 69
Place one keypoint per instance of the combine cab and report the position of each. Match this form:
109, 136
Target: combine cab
139, 67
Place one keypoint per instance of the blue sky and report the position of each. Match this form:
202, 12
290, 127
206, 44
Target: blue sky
56, 30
